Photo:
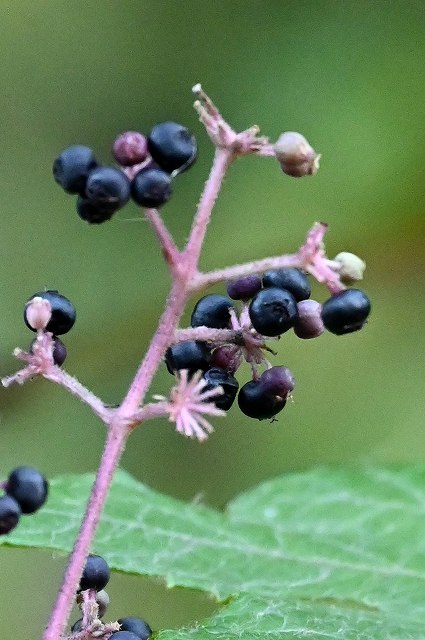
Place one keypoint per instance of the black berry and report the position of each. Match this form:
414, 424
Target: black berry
254, 402
244, 288
151, 187
309, 323
59, 350
28, 487
273, 311
189, 354
63, 312
94, 212
212, 311
130, 148
172, 146
293, 280
346, 311
10, 512
124, 635
137, 626
96, 573
72, 167
220, 378
108, 186
77, 626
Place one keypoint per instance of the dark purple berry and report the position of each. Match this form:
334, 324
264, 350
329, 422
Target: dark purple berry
137, 626
346, 311
96, 574
273, 311
172, 146
94, 212
124, 635
227, 357
10, 512
59, 350
220, 378
189, 354
278, 381
151, 187
254, 402
130, 148
63, 312
212, 311
72, 167
293, 280
244, 288
309, 323
108, 186
28, 487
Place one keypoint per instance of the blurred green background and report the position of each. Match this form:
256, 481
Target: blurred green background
347, 74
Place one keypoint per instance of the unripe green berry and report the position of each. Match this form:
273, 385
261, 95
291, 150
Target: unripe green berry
351, 267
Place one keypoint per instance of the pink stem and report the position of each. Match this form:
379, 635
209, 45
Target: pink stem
115, 443
169, 250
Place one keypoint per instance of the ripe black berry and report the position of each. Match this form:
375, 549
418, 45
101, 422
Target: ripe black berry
254, 402
59, 350
108, 186
10, 512
189, 354
137, 626
293, 280
72, 167
94, 212
346, 311
220, 378
96, 574
151, 187
273, 311
212, 311
130, 148
309, 323
172, 146
28, 487
63, 312
244, 288
124, 635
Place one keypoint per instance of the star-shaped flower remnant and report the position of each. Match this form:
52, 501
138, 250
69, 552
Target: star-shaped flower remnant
189, 402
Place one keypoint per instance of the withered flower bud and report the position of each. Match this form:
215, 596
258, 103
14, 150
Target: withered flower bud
295, 155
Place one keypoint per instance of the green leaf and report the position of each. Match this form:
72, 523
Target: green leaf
331, 553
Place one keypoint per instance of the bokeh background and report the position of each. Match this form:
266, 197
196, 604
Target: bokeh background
347, 74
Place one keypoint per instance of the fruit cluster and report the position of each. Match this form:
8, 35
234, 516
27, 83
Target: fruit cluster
147, 168
272, 304
95, 577
26, 491
60, 318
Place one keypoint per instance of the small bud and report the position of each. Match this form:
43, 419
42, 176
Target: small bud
351, 267
102, 600
38, 312
130, 148
296, 156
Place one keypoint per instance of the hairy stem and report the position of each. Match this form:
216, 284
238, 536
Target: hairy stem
114, 446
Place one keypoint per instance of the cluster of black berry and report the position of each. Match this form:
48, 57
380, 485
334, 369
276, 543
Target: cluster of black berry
96, 576
147, 168
26, 491
61, 320
272, 304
